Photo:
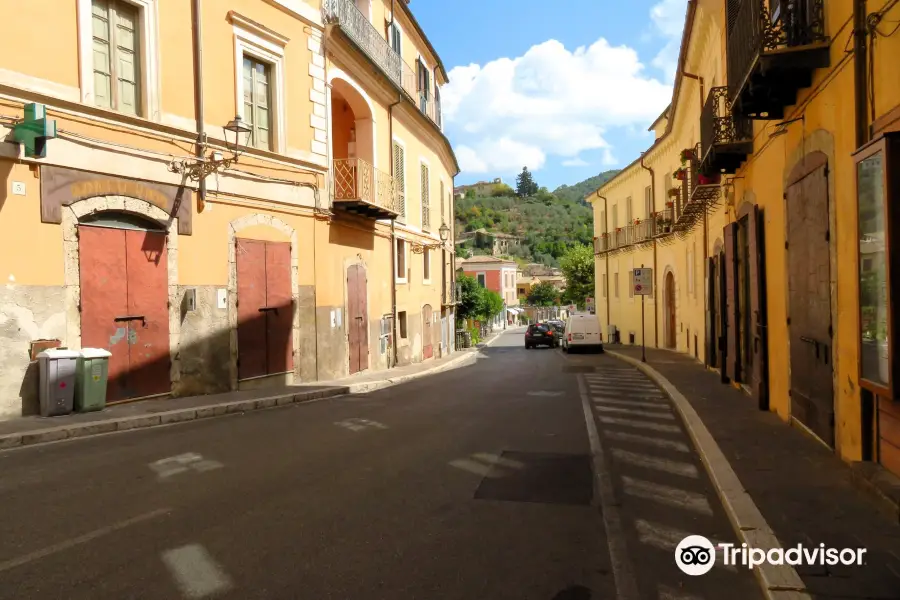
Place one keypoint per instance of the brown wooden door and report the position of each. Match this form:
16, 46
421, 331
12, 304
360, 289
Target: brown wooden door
730, 360
710, 354
357, 318
758, 373
428, 348
809, 297
671, 337
265, 308
124, 307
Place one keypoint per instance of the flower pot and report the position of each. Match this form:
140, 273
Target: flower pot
708, 179
679, 175
674, 192
687, 155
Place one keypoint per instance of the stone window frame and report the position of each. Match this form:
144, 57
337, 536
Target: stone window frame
71, 217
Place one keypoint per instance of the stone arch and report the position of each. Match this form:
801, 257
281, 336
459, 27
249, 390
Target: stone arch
344, 89
234, 227
670, 308
71, 217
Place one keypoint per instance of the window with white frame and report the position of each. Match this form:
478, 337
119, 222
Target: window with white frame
482, 280
257, 102
426, 189
116, 55
395, 37
648, 202
441, 200
400, 177
400, 261
426, 265
605, 286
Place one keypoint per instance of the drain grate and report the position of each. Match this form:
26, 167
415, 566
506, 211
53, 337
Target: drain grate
578, 369
539, 477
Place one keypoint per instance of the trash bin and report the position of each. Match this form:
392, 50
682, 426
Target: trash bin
57, 379
93, 373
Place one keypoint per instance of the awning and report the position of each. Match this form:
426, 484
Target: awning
514, 311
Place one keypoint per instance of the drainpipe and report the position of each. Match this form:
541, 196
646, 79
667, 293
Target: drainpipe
393, 221
606, 231
859, 70
656, 295
198, 93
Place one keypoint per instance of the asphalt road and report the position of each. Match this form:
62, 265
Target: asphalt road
484, 482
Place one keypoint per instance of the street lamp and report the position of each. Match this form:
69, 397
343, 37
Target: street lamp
444, 232
202, 168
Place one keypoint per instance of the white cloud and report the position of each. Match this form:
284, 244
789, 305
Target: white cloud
668, 21
575, 162
514, 112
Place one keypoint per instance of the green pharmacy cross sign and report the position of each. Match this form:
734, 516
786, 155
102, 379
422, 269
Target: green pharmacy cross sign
35, 130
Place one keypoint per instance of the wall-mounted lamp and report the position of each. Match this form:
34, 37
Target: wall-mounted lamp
781, 128
443, 232
200, 169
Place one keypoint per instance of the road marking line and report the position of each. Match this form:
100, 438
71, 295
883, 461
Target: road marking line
602, 400
196, 573
637, 413
623, 572
660, 464
640, 387
622, 436
665, 494
640, 424
494, 459
82, 539
665, 592
475, 467
668, 538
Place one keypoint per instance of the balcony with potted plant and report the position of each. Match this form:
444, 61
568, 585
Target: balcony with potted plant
726, 139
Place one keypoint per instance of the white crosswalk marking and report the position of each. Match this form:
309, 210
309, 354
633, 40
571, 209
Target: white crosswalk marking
665, 592
195, 572
667, 539
497, 460
642, 387
621, 436
639, 424
665, 494
660, 464
606, 401
636, 413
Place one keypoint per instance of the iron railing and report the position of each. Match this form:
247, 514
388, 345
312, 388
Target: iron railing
624, 236
757, 26
355, 179
663, 222
643, 230
719, 125
373, 44
601, 243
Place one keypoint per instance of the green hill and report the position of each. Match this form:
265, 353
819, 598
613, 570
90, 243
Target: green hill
548, 223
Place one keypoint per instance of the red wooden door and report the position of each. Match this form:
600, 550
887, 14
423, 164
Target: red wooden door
148, 330
124, 308
357, 319
428, 348
104, 296
265, 308
279, 308
671, 338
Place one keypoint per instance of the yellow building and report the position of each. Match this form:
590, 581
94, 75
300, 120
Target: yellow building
771, 158
296, 242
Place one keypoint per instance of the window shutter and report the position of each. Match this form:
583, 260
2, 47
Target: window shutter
442, 200
426, 209
126, 58
400, 178
102, 54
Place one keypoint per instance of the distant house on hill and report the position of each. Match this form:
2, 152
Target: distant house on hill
496, 243
482, 188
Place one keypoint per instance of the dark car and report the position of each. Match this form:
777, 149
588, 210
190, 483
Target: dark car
541, 334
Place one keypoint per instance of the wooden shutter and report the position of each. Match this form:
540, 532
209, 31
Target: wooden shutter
710, 312
426, 208
116, 62
102, 53
257, 102
730, 272
126, 38
648, 202
757, 333
400, 178
441, 197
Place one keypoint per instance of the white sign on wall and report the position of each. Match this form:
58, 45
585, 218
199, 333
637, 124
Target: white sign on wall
642, 282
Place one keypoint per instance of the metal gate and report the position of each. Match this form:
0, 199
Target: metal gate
357, 319
809, 298
265, 308
124, 307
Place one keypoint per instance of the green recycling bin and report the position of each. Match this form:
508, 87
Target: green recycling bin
91, 379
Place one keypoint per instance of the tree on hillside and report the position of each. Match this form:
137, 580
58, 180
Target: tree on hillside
501, 189
470, 193
577, 265
543, 294
525, 185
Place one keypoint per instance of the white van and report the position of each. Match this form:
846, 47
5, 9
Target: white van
582, 331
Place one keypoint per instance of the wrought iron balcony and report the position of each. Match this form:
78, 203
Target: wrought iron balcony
601, 243
774, 46
624, 236
726, 139
362, 189
643, 231
663, 222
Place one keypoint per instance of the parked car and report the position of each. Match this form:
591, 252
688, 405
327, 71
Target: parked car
540, 334
582, 332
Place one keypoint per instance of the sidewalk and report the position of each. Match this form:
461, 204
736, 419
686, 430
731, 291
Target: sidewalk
805, 494
26, 431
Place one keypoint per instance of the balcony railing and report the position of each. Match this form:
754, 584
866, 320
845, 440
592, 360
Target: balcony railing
601, 243
663, 222
758, 27
726, 139
362, 188
624, 236
642, 230
357, 27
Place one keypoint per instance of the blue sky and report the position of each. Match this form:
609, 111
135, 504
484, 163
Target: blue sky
567, 88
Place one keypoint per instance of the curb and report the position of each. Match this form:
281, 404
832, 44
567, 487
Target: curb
80, 430
778, 582
183, 415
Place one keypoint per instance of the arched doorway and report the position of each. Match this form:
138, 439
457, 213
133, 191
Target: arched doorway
352, 142
427, 337
670, 310
123, 273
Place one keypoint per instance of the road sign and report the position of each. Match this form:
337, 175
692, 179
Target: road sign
642, 282
589, 304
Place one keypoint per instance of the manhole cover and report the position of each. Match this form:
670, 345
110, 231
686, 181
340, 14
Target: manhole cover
578, 369
539, 477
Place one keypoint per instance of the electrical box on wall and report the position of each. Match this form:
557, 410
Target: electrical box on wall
190, 299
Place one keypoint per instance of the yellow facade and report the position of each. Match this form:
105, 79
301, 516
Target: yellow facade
816, 134
126, 148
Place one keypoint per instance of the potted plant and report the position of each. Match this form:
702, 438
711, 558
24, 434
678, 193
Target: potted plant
680, 174
709, 179
670, 204
673, 193
686, 155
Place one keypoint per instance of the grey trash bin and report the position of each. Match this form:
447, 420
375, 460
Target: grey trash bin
57, 376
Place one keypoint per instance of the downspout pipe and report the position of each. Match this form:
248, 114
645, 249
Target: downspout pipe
393, 266
606, 231
859, 70
198, 93
655, 273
